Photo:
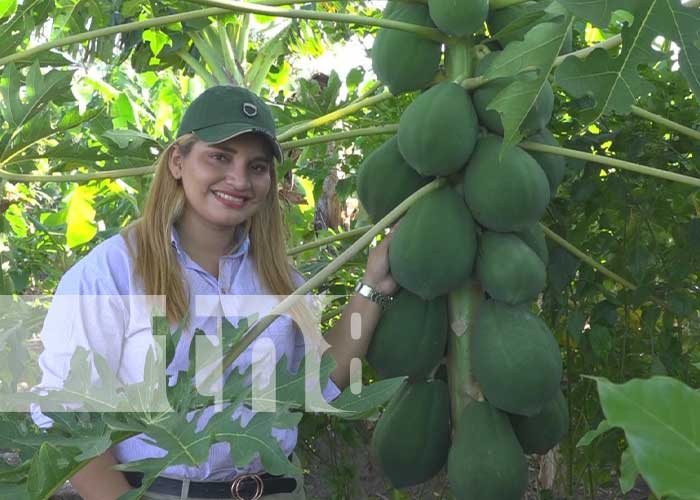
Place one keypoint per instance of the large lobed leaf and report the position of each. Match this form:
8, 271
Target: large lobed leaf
529, 62
614, 82
660, 419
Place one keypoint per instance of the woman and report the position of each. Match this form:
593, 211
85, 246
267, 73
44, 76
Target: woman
212, 225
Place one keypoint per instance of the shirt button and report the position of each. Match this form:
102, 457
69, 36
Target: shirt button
224, 289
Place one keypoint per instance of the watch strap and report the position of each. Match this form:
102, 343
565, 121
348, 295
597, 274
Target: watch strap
374, 295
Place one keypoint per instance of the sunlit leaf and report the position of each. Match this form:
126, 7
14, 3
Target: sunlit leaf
80, 216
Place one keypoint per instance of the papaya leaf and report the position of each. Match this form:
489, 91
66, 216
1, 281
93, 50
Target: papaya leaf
7, 8
628, 471
183, 444
251, 439
14, 492
266, 57
597, 12
614, 83
355, 406
534, 56
49, 470
659, 418
591, 435
81, 216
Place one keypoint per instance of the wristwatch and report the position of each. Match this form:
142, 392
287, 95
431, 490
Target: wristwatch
375, 296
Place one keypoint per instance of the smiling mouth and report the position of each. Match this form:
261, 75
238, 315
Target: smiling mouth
229, 200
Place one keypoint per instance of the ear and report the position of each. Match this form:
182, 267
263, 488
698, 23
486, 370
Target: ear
175, 162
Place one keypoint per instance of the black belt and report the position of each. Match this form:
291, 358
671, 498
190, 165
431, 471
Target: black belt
243, 487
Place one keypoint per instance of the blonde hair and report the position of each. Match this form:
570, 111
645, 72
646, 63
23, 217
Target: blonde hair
155, 261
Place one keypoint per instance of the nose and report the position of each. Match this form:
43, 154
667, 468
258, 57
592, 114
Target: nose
238, 175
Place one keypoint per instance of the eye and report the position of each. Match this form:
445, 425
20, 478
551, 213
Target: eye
260, 167
218, 157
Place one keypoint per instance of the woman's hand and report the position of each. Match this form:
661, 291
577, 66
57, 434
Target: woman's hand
377, 274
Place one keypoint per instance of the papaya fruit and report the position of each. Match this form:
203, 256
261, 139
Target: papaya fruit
540, 433
410, 338
412, 437
404, 61
438, 130
459, 17
505, 193
533, 235
486, 462
384, 180
433, 249
515, 358
537, 118
508, 269
553, 165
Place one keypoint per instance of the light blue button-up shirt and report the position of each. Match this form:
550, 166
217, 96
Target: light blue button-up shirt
110, 328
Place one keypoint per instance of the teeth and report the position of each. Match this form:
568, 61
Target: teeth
229, 197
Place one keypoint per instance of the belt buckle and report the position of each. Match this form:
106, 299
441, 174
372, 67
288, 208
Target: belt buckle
236, 486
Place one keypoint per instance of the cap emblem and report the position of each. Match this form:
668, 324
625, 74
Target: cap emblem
250, 110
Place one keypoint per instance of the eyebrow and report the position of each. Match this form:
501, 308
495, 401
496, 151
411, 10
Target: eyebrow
230, 149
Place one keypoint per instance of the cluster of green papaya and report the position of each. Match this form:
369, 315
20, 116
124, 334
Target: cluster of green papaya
482, 224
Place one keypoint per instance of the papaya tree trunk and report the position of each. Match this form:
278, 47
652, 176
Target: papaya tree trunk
464, 302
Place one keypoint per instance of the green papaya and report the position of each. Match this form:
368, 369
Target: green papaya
459, 17
537, 118
385, 179
533, 235
508, 269
486, 461
433, 249
438, 131
553, 165
504, 193
515, 358
410, 338
404, 61
411, 439
512, 23
542, 432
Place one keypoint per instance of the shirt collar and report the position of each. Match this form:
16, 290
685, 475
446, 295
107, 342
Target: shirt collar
241, 250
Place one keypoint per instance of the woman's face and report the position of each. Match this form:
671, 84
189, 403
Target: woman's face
227, 183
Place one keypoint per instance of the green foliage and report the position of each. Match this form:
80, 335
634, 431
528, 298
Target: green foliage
615, 82
664, 442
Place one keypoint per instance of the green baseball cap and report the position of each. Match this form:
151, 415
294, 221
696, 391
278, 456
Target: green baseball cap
225, 111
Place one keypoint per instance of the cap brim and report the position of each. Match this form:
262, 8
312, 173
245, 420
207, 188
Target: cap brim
226, 131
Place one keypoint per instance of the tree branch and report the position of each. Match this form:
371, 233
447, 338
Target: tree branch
328, 239
583, 257
643, 113
612, 162
335, 115
608, 44
252, 8
339, 136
